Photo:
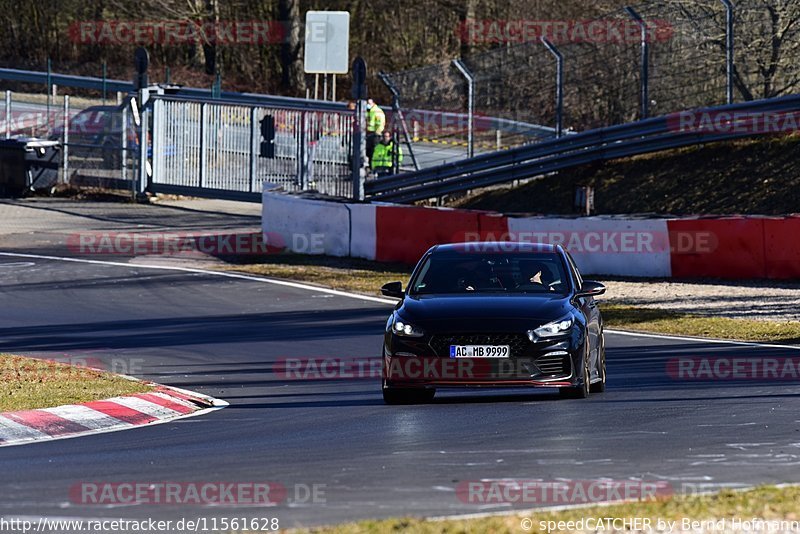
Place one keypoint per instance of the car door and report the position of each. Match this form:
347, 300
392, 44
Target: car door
588, 305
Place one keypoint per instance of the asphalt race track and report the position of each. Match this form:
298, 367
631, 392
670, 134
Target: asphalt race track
223, 336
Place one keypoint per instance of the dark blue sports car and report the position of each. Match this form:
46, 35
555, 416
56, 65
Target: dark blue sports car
493, 314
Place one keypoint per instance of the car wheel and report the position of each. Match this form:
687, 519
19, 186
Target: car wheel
600, 386
581, 391
407, 395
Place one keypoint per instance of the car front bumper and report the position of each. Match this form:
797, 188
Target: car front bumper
426, 362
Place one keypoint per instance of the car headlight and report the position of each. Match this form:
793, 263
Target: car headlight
402, 328
550, 330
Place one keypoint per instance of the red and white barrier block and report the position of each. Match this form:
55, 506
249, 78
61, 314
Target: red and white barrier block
697, 247
119, 413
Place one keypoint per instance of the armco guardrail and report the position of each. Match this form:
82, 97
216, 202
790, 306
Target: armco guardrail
625, 140
87, 82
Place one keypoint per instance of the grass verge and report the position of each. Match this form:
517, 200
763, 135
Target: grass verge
765, 503
29, 383
684, 324
363, 276
347, 274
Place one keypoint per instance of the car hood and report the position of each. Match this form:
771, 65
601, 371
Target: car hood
487, 312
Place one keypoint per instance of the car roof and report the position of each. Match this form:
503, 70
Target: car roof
495, 247
100, 108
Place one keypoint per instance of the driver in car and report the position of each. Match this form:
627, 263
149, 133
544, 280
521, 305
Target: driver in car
535, 275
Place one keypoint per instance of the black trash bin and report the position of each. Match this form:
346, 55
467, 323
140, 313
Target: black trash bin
28, 163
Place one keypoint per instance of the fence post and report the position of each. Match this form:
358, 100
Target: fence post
359, 150
398, 110
124, 152
49, 91
301, 145
729, 50
144, 132
203, 119
470, 105
216, 88
8, 113
65, 144
253, 147
157, 154
105, 76
559, 84
645, 96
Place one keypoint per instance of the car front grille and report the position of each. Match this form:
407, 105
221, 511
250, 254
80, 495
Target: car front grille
518, 343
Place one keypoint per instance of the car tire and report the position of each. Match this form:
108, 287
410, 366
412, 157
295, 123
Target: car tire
582, 390
600, 386
407, 395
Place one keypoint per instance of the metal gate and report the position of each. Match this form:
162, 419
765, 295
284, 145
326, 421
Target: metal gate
230, 150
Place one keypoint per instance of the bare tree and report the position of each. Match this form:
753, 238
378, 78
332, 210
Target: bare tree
292, 76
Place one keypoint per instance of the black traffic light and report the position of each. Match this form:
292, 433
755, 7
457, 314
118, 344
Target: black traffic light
267, 137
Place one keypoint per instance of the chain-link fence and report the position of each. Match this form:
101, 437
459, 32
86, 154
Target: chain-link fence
96, 135
652, 59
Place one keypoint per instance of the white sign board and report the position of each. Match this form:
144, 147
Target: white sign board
327, 42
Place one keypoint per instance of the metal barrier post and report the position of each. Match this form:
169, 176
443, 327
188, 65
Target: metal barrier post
157, 152
470, 105
359, 151
203, 127
645, 96
105, 83
253, 148
8, 114
729, 65
559, 84
65, 145
302, 179
398, 110
124, 153
49, 90
144, 127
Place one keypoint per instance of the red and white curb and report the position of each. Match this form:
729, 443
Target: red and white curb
162, 405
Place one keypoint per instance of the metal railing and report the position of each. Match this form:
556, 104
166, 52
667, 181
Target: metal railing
101, 84
205, 147
640, 137
196, 143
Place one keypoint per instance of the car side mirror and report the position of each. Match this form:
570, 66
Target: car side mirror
393, 289
590, 288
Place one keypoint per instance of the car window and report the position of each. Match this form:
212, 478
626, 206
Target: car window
490, 273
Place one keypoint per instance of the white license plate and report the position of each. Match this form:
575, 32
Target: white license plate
479, 351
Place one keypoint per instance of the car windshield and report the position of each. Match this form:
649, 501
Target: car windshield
522, 272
